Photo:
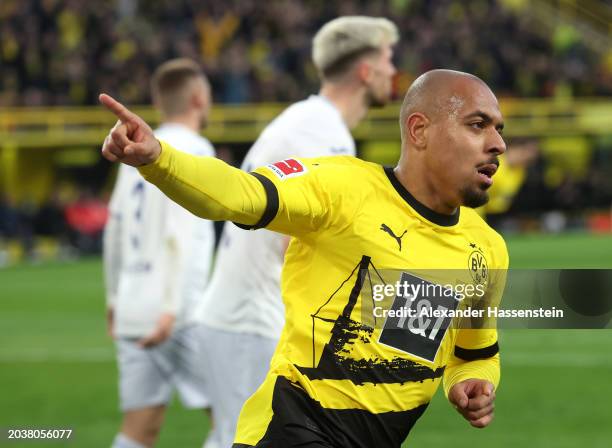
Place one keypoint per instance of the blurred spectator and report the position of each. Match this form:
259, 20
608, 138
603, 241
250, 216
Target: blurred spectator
69, 230
511, 174
50, 220
86, 218
63, 52
26, 212
510, 179
9, 218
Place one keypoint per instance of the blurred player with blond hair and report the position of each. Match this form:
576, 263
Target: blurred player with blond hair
242, 314
157, 259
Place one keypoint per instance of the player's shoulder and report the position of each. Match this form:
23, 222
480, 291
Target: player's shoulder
314, 103
474, 222
471, 219
348, 165
344, 172
316, 110
308, 128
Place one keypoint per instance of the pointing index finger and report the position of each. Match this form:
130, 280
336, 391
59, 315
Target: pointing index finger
117, 108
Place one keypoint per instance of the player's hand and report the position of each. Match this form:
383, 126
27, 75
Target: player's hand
131, 140
162, 331
110, 322
474, 399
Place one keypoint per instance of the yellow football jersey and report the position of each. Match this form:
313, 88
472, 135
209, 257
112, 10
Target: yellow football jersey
340, 376
350, 218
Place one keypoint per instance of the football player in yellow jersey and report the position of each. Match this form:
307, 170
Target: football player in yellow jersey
335, 380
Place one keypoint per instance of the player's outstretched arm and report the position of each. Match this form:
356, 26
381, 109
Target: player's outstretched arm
131, 140
206, 186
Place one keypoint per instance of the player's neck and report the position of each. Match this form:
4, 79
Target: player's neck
189, 120
415, 181
348, 100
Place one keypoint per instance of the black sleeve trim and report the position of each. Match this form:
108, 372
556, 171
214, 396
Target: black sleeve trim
479, 353
271, 206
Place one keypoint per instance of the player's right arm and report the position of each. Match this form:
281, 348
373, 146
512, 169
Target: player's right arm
212, 189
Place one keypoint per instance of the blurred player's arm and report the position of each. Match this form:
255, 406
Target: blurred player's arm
179, 228
173, 254
112, 255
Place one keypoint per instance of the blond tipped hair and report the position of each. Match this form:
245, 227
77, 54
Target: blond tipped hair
172, 84
339, 43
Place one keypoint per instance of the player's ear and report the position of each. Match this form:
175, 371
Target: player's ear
199, 95
417, 126
198, 99
364, 71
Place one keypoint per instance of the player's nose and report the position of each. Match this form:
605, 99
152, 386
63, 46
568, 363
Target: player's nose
495, 143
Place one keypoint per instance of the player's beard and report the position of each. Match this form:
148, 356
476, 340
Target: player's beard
474, 197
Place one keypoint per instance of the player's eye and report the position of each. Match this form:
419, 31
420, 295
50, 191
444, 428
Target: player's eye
478, 125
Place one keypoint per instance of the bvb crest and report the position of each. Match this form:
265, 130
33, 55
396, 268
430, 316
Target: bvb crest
477, 265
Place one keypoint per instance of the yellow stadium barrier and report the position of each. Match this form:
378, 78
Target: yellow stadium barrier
35, 141
78, 126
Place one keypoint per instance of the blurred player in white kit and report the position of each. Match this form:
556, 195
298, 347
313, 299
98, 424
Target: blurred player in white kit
157, 260
242, 313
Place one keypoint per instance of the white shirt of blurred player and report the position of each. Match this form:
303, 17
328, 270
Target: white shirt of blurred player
164, 251
244, 291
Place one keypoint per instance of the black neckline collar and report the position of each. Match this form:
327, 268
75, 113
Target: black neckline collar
427, 213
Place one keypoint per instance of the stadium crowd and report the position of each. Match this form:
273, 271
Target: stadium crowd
76, 224
63, 52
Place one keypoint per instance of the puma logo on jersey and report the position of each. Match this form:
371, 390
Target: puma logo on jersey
385, 228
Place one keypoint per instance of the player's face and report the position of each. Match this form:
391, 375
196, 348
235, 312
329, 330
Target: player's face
380, 83
467, 142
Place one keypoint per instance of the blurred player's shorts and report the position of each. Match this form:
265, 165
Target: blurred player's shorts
149, 376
